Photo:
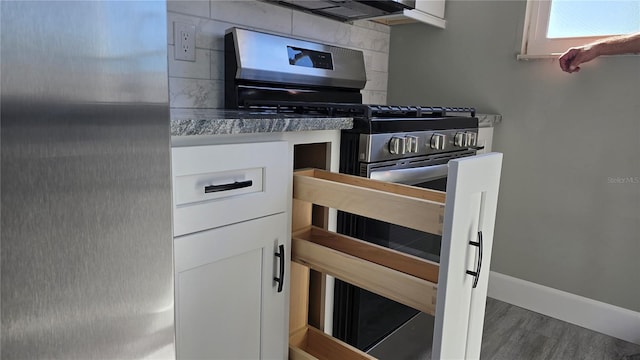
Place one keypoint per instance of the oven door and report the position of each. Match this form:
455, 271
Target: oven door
423, 171
364, 319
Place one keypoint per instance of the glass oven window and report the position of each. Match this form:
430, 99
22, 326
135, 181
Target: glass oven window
400, 238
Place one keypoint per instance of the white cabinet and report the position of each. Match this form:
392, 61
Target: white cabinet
431, 7
227, 303
231, 250
426, 11
485, 138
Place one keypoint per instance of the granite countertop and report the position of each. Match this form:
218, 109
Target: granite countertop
185, 122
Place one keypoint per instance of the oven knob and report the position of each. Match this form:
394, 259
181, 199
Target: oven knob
460, 139
471, 138
412, 144
437, 141
397, 145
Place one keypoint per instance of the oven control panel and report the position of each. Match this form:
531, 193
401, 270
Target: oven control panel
400, 145
380, 147
465, 139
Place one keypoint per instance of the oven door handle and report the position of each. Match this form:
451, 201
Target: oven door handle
411, 176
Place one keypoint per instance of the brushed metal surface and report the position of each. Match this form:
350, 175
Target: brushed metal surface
86, 245
411, 176
263, 57
375, 147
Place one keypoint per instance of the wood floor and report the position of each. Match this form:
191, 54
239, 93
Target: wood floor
513, 333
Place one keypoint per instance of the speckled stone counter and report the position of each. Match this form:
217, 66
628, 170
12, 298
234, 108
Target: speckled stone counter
185, 122
488, 120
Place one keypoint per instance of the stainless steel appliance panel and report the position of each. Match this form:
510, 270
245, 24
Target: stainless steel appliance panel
377, 147
264, 57
86, 245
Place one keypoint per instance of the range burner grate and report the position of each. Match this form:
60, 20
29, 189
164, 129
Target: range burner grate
365, 111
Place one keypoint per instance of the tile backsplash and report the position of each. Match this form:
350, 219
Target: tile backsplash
200, 84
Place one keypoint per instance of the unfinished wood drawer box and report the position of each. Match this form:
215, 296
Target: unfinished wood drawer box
395, 275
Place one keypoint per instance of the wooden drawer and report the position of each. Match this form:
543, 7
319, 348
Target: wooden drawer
309, 343
223, 184
449, 291
398, 276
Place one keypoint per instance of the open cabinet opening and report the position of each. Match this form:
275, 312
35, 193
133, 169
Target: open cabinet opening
317, 252
452, 292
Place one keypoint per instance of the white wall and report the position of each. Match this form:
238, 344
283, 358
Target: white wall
200, 84
569, 207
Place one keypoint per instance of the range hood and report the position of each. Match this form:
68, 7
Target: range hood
349, 10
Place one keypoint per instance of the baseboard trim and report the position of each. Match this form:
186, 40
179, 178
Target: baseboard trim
604, 318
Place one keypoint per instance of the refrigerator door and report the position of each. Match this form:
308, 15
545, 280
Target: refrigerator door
86, 244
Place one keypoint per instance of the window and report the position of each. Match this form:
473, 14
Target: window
552, 26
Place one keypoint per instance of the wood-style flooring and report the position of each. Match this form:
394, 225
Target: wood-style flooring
513, 333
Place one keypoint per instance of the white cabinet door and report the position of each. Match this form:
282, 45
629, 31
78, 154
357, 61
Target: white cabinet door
470, 210
228, 305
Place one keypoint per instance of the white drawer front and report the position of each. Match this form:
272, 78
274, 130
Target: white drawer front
217, 185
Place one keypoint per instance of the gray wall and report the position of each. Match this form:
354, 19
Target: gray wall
200, 84
569, 208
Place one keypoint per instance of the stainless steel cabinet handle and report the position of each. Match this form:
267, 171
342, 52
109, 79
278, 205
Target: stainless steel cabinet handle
412, 176
226, 187
280, 279
476, 274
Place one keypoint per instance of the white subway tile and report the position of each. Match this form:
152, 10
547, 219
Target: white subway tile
320, 29
374, 97
335, 32
214, 31
376, 61
217, 65
376, 81
194, 93
369, 39
254, 14
199, 69
190, 7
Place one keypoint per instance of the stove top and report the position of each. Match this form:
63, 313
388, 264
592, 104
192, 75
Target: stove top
371, 118
368, 111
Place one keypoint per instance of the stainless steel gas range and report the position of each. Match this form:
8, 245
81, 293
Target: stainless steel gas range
403, 144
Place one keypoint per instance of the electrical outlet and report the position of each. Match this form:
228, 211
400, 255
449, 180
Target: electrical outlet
184, 36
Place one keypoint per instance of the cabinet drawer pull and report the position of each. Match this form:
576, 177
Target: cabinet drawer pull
280, 256
476, 274
226, 187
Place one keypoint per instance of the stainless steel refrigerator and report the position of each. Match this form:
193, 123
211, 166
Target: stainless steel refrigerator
86, 238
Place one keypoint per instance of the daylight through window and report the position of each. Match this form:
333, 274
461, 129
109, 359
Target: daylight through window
552, 26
